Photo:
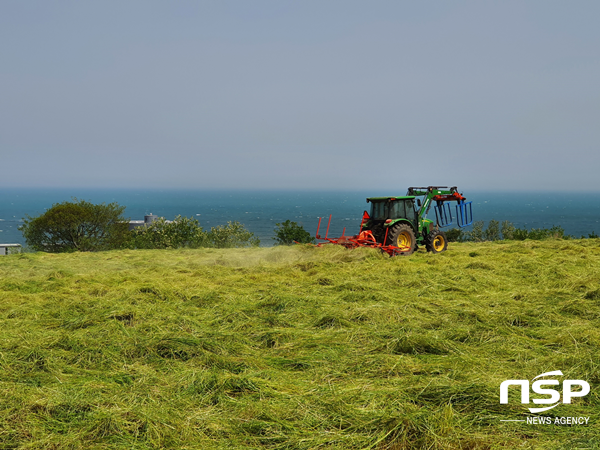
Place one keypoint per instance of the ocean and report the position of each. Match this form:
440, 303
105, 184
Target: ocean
259, 211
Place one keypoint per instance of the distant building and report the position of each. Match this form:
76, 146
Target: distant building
7, 249
148, 219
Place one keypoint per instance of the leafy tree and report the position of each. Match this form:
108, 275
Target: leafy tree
508, 230
492, 232
77, 226
181, 232
234, 234
288, 232
476, 233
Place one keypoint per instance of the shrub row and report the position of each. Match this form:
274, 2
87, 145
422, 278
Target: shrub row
187, 232
83, 226
497, 231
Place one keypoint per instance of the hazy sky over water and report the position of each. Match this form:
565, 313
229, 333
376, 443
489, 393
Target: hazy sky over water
300, 94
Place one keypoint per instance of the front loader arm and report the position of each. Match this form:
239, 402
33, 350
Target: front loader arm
441, 194
438, 193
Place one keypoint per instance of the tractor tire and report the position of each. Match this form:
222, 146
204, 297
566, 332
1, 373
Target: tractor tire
401, 235
437, 242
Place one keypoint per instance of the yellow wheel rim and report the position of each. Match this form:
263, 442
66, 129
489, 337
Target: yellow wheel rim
438, 243
404, 239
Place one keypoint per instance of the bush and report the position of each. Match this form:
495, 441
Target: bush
77, 226
187, 232
555, 232
288, 232
508, 230
455, 235
492, 232
496, 231
232, 235
181, 232
476, 234
538, 234
520, 234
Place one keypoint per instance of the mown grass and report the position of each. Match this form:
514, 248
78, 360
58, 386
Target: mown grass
295, 347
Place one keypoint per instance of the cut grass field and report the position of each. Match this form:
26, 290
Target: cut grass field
296, 347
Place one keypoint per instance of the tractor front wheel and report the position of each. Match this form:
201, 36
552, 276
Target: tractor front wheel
402, 235
437, 242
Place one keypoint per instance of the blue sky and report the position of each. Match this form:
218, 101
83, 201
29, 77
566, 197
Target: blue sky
291, 95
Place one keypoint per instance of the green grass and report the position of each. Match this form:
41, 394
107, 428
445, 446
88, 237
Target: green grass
295, 347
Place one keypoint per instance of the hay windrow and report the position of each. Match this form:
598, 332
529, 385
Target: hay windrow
294, 347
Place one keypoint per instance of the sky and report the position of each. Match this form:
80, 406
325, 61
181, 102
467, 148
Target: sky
300, 94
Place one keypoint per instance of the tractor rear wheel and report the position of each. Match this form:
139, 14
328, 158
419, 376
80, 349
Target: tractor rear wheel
402, 235
437, 242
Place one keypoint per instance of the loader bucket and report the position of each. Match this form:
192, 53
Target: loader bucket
443, 214
464, 214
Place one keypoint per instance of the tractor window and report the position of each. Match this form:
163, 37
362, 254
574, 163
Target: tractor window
411, 213
397, 210
379, 210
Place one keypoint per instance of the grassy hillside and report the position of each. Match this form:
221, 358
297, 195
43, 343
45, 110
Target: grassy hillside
296, 348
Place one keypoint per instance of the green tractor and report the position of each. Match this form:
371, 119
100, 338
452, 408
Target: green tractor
402, 221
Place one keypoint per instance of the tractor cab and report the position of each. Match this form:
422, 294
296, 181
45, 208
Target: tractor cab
393, 208
388, 211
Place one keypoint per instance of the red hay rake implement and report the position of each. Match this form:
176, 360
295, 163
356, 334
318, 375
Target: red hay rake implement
363, 239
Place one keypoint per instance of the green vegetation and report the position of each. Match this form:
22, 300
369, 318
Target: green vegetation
232, 235
497, 231
87, 227
296, 347
77, 226
288, 232
187, 232
161, 234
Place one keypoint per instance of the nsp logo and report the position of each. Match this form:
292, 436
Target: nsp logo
538, 388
